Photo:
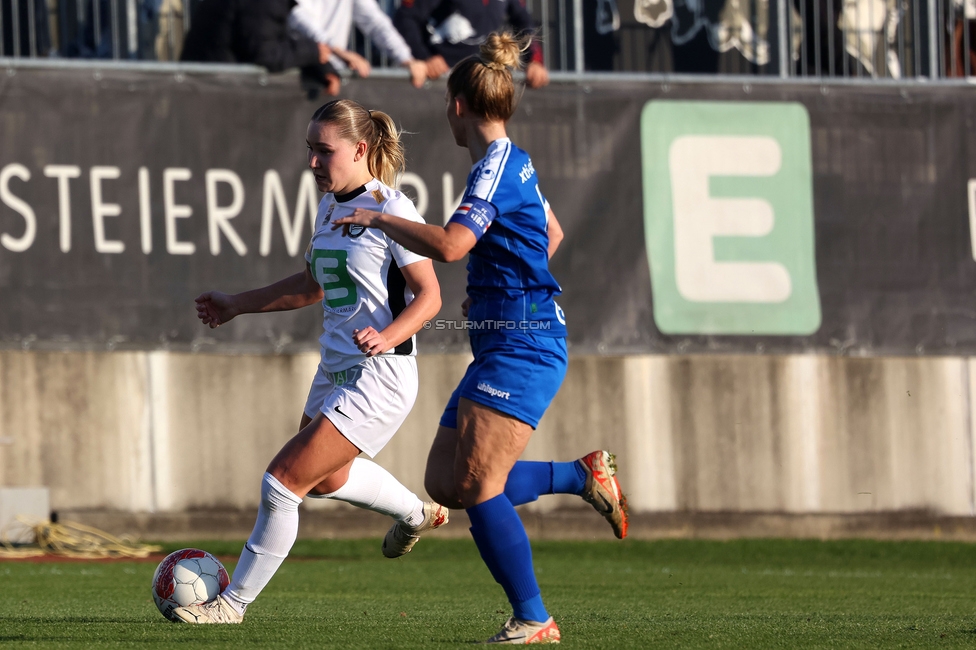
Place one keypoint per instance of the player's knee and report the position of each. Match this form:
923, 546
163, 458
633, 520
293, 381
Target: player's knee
473, 488
441, 489
276, 494
318, 492
468, 489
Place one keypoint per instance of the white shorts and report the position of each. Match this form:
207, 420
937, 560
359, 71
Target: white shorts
368, 402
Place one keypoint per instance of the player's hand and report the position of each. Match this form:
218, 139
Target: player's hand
325, 53
465, 306
536, 75
370, 342
436, 67
356, 63
332, 84
215, 308
359, 217
418, 72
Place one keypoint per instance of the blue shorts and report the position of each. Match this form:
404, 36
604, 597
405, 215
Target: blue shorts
517, 374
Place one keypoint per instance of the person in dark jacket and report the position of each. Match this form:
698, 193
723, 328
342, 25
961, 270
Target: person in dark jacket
16, 37
256, 31
443, 32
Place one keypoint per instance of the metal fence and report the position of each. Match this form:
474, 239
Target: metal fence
785, 38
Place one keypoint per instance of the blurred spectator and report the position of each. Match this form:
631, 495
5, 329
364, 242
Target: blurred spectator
695, 28
169, 38
147, 19
330, 22
22, 10
256, 31
83, 42
702, 30
442, 32
693, 35
826, 56
870, 29
600, 42
962, 32
653, 13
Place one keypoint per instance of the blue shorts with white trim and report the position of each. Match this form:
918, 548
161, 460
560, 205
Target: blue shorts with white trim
515, 373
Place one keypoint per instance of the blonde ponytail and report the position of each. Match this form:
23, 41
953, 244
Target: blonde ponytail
385, 158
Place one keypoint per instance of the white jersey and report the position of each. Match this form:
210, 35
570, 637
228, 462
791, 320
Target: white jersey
360, 273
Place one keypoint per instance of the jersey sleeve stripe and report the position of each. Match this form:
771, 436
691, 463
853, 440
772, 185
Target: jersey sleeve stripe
487, 173
501, 170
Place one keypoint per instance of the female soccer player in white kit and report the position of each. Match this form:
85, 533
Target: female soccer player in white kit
376, 295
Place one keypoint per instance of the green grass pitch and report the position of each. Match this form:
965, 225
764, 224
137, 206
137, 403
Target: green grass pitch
632, 594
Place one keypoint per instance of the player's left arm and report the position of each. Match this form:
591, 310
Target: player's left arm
555, 233
422, 280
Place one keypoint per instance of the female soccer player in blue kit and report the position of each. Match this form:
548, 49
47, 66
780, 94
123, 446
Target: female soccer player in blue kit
517, 337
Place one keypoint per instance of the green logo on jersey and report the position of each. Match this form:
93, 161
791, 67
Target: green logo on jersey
329, 270
728, 217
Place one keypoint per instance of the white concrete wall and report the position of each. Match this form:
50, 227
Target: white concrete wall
166, 432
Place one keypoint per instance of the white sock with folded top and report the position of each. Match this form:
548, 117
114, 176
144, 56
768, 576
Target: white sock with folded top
275, 532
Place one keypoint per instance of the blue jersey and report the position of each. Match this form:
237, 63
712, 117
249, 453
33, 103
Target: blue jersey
509, 281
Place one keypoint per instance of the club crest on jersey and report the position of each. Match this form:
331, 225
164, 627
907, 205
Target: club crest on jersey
328, 214
356, 230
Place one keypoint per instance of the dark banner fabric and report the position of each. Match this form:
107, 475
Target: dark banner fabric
698, 217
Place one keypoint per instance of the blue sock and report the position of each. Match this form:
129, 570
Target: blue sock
527, 480
568, 478
500, 537
530, 479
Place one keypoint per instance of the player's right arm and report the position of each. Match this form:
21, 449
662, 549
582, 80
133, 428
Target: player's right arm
442, 243
215, 308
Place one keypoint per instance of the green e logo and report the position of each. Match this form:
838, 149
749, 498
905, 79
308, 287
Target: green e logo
728, 217
329, 270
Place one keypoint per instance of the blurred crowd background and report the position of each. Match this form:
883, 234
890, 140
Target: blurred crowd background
787, 38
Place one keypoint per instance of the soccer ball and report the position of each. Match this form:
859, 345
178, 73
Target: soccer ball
187, 577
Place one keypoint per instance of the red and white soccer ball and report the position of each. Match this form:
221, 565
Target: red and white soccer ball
187, 577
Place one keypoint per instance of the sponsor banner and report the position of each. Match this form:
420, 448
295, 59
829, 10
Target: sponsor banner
698, 216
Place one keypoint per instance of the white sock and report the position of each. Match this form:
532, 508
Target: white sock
273, 536
371, 487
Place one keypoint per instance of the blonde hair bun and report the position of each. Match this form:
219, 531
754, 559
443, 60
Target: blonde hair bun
503, 50
485, 79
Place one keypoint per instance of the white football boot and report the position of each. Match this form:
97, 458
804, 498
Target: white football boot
401, 538
217, 610
519, 632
